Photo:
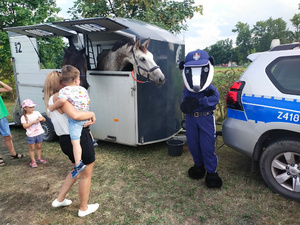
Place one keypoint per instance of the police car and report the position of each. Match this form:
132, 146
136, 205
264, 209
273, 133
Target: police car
263, 117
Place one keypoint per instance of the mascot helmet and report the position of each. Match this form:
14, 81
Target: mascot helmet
197, 70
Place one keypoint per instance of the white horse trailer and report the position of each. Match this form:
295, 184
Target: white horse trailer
127, 112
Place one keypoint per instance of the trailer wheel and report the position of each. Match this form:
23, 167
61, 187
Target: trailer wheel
49, 134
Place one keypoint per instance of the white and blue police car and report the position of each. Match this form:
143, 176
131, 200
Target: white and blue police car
263, 117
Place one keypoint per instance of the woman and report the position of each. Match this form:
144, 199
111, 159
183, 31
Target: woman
60, 122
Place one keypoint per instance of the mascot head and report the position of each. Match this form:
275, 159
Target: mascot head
197, 70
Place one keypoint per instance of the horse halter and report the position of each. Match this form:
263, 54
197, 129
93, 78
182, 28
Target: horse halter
142, 68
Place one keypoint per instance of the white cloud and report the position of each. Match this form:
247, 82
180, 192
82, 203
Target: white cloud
64, 5
220, 17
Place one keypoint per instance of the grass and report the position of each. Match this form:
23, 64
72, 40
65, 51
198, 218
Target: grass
139, 185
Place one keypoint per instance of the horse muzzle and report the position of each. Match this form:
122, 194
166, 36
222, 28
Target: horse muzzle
154, 74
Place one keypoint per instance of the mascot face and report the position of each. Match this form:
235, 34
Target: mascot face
198, 70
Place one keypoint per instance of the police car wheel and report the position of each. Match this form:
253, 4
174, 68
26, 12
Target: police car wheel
49, 134
280, 168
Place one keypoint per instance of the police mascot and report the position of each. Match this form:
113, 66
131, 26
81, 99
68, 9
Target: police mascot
200, 98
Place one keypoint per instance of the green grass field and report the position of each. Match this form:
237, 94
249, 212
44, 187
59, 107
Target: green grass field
139, 185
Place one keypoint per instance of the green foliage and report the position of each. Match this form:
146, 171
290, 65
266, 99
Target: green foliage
223, 80
170, 15
21, 13
243, 40
265, 31
257, 39
26, 12
51, 52
296, 23
221, 51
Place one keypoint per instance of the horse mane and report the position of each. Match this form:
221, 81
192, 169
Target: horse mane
102, 56
121, 43
129, 43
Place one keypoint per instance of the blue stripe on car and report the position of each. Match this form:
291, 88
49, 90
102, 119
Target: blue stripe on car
268, 109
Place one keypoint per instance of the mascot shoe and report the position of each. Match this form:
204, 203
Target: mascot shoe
197, 172
213, 180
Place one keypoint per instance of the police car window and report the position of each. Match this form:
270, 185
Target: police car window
284, 72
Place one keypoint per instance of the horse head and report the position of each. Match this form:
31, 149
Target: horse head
77, 59
144, 64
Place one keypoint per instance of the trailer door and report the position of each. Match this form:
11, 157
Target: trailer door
113, 100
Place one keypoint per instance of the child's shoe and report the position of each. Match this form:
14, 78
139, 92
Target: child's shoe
95, 143
43, 161
78, 169
33, 164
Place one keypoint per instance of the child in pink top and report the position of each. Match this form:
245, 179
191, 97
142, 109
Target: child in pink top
31, 122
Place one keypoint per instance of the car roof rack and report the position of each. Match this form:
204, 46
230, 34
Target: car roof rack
285, 47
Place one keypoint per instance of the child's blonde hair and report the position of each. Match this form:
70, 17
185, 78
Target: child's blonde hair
51, 86
24, 114
69, 74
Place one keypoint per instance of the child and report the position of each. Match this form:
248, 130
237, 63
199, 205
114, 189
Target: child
79, 98
31, 122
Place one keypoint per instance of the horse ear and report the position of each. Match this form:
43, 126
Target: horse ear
146, 43
137, 44
67, 51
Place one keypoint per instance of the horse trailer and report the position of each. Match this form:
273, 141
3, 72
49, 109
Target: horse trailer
128, 111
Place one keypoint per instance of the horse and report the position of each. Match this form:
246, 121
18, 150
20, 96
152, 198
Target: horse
127, 55
77, 59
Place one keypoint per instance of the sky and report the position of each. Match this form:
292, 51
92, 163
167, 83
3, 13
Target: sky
220, 17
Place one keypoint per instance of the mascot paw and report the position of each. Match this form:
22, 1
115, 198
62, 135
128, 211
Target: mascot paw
197, 172
213, 180
183, 107
189, 105
210, 92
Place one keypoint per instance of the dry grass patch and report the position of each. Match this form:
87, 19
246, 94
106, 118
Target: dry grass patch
139, 185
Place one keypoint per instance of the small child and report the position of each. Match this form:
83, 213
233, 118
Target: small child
31, 122
79, 98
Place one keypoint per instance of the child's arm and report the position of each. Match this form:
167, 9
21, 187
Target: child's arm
57, 104
42, 119
70, 110
5, 87
27, 125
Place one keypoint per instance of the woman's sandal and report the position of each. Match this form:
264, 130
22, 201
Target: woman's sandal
17, 156
2, 163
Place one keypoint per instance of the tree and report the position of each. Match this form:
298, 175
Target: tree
170, 15
22, 13
265, 31
221, 51
296, 23
243, 41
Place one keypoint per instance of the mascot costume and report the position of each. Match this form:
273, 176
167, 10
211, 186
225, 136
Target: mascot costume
200, 98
